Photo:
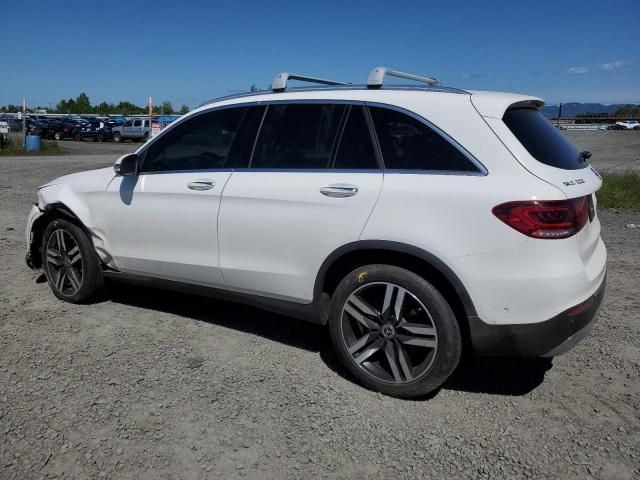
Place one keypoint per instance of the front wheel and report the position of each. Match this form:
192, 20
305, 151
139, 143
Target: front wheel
117, 137
393, 331
70, 262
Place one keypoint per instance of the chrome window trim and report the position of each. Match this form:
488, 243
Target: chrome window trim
482, 170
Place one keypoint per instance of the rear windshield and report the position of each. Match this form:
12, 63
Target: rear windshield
542, 140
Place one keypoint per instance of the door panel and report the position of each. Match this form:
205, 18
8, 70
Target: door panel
160, 226
164, 222
276, 228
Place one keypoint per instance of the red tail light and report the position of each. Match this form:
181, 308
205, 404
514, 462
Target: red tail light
545, 219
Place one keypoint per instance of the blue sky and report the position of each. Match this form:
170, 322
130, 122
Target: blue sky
191, 51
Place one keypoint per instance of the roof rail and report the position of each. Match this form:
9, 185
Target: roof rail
376, 77
280, 82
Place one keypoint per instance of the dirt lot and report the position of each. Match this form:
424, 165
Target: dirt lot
149, 384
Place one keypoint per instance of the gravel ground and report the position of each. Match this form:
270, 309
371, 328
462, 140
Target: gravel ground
613, 151
149, 384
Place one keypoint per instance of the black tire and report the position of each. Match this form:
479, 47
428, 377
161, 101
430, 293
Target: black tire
445, 356
117, 137
72, 279
77, 137
57, 136
100, 138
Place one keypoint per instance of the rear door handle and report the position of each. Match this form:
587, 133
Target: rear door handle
339, 190
200, 185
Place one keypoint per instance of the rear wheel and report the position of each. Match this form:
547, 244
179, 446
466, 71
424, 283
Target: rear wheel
70, 262
117, 137
77, 137
57, 135
393, 331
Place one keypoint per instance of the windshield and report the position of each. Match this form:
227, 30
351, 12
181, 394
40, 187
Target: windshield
542, 140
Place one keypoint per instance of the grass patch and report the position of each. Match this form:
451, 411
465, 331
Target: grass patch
14, 148
620, 190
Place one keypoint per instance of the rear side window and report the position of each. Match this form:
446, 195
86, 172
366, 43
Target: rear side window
542, 140
297, 136
199, 143
409, 144
355, 150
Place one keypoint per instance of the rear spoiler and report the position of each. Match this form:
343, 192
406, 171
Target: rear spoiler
495, 104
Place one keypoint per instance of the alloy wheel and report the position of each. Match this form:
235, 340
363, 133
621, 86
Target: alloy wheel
64, 262
389, 333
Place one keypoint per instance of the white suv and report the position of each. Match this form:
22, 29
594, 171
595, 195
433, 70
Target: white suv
414, 221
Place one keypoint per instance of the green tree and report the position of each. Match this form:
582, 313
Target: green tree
167, 107
184, 109
628, 111
83, 104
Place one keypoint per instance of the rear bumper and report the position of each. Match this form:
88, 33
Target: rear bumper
544, 339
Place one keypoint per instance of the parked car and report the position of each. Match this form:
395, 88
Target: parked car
136, 129
96, 130
4, 132
615, 126
33, 127
629, 125
412, 221
66, 128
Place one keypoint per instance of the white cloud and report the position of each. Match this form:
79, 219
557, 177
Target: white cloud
472, 75
612, 65
578, 70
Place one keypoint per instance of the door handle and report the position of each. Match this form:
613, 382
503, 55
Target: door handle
339, 190
200, 185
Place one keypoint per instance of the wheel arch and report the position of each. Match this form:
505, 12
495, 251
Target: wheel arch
50, 212
364, 252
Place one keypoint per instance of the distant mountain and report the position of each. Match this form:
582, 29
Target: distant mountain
570, 110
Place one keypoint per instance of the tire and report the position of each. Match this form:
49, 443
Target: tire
405, 357
77, 137
117, 137
57, 136
100, 138
73, 271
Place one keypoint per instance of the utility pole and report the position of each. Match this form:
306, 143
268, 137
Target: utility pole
150, 118
24, 122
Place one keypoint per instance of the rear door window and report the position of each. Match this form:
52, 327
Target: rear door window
409, 144
355, 150
542, 140
298, 136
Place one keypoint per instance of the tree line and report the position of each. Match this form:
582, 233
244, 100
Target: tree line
628, 111
81, 105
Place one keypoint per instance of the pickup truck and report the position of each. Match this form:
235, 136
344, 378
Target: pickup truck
136, 129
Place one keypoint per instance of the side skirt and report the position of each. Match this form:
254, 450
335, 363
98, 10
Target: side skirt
314, 312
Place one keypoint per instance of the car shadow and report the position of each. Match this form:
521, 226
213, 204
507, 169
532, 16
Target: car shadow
509, 376
515, 376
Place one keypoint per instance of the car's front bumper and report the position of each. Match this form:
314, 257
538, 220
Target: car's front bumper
34, 214
544, 339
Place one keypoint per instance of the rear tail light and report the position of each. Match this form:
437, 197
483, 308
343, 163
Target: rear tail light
545, 219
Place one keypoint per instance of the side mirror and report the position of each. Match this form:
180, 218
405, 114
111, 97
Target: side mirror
127, 165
